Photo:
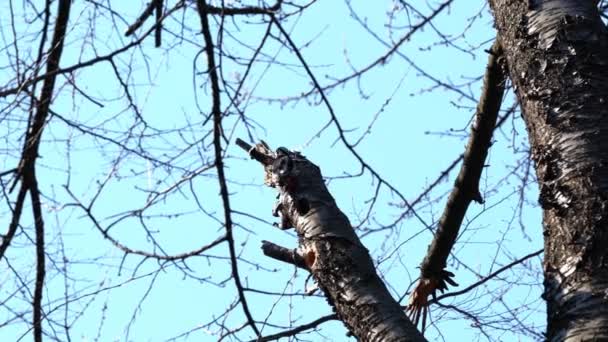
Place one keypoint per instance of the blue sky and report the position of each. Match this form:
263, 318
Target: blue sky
417, 132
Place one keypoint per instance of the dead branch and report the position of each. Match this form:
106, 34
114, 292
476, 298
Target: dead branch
433, 275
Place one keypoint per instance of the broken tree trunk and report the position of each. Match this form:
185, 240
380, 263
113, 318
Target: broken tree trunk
329, 248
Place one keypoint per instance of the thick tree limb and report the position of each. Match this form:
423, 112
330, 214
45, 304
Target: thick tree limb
433, 275
331, 250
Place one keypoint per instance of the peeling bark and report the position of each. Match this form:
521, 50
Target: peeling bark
330, 249
557, 54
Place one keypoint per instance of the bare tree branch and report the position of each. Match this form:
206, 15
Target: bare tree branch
334, 119
298, 329
152, 5
15, 218
433, 275
486, 278
219, 158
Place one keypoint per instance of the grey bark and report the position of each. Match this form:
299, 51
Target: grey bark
330, 249
557, 54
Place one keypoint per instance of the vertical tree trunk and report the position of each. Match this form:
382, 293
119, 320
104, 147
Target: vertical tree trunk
557, 55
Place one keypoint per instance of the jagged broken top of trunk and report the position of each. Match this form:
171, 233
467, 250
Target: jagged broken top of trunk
329, 248
303, 201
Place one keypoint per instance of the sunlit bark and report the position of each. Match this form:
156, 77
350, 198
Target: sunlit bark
558, 57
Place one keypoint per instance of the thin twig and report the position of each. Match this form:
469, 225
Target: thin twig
486, 278
297, 330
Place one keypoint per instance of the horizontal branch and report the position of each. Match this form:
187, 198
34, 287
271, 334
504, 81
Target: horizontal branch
290, 256
246, 10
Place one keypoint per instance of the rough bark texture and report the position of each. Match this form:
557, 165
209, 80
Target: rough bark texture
557, 54
331, 250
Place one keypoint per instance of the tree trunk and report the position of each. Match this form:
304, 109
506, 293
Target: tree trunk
330, 249
557, 55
